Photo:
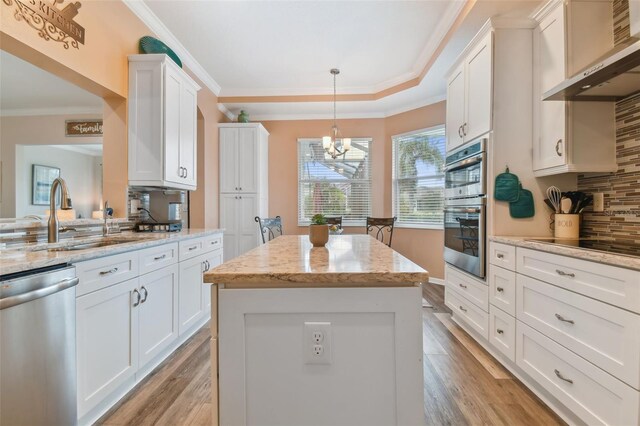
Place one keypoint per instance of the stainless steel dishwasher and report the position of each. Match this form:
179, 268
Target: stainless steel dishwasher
38, 347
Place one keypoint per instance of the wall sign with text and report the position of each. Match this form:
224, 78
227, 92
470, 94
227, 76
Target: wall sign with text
52, 22
83, 128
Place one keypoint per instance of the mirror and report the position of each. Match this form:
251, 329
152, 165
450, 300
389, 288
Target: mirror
48, 127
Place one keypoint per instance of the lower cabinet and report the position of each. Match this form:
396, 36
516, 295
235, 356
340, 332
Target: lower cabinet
107, 342
191, 293
158, 312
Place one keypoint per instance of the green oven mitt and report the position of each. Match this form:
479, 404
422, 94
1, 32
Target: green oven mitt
507, 187
523, 207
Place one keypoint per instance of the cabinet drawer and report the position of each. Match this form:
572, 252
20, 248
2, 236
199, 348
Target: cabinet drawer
502, 332
502, 289
593, 395
212, 242
610, 284
473, 316
154, 258
105, 271
607, 336
468, 287
502, 255
190, 248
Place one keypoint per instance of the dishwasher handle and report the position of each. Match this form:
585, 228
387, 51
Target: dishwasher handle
18, 299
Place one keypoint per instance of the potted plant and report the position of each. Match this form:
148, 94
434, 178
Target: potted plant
318, 230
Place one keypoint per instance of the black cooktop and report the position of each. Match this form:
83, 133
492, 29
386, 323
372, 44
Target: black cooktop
624, 247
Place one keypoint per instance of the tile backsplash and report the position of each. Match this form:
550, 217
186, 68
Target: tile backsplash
621, 216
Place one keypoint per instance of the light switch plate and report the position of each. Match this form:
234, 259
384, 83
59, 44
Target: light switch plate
316, 343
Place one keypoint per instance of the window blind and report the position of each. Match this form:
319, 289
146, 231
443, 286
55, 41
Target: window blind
418, 178
340, 187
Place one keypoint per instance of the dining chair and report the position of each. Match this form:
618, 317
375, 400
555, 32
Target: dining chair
271, 227
379, 227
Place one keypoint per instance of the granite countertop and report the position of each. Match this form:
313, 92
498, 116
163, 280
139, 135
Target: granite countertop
543, 244
36, 256
291, 261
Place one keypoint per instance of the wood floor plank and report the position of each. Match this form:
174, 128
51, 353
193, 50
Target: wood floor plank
203, 416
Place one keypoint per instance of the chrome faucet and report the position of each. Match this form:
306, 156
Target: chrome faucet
105, 216
65, 204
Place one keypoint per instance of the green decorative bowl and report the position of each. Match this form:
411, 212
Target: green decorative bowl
150, 44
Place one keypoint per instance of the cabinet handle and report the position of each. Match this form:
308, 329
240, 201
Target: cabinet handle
186, 172
500, 289
464, 129
463, 309
500, 331
563, 319
109, 272
214, 242
460, 131
565, 274
236, 188
558, 147
240, 188
146, 294
160, 257
462, 285
193, 248
561, 377
137, 293
500, 256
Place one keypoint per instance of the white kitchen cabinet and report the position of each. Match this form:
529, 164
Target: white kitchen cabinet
107, 345
469, 95
162, 125
571, 136
244, 165
158, 312
237, 217
190, 296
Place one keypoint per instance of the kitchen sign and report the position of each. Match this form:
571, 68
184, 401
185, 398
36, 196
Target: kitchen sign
50, 21
83, 127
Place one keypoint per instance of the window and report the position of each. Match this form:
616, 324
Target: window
418, 178
340, 187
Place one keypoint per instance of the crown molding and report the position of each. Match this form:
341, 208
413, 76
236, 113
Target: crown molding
428, 101
25, 112
151, 20
223, 109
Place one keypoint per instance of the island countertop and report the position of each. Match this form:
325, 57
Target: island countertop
347, 260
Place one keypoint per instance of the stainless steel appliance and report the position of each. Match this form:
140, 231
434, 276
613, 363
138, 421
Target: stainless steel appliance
38, 347
465, 208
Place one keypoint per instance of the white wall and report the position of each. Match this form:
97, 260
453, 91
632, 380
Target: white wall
80, 171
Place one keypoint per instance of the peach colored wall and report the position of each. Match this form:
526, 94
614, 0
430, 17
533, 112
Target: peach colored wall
422, 246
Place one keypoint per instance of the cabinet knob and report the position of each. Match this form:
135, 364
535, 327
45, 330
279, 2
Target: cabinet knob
558, 147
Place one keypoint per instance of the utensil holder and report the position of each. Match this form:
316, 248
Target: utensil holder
567, 226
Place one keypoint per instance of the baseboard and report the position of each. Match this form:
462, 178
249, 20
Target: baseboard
436, 281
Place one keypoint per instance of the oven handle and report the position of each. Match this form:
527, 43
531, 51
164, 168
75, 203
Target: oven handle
463, 209
465, 163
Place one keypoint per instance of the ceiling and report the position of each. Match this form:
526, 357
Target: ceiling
259, 51
28, 90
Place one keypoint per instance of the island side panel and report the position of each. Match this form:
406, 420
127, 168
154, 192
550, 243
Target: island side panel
374, 376
214, 355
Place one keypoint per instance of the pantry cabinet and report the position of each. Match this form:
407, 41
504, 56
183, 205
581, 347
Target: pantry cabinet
469, 95
244, 162
162, 136
571, 136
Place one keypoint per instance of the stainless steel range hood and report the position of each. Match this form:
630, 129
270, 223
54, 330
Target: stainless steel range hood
609, 79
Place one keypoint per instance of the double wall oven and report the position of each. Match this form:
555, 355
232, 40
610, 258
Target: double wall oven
465, 207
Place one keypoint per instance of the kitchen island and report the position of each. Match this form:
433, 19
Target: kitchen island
317, 336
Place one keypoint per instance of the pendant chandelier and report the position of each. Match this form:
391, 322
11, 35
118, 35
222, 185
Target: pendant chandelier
334, 145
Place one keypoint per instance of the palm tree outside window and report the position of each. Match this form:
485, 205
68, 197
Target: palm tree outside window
418, 178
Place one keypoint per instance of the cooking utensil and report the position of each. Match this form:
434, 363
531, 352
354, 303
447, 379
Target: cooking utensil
586, 202
565, 205
555, 197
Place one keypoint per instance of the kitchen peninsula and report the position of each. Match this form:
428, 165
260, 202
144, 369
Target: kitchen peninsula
328, 335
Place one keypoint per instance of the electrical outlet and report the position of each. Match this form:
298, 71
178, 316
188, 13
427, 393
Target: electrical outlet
316, 343
598, 202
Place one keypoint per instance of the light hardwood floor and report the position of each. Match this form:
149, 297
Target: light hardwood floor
463, 384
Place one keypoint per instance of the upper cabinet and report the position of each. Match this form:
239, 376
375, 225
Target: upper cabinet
576, 137
469, 95
162, 123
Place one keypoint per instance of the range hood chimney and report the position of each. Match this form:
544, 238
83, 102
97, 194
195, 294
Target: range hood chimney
615, 77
